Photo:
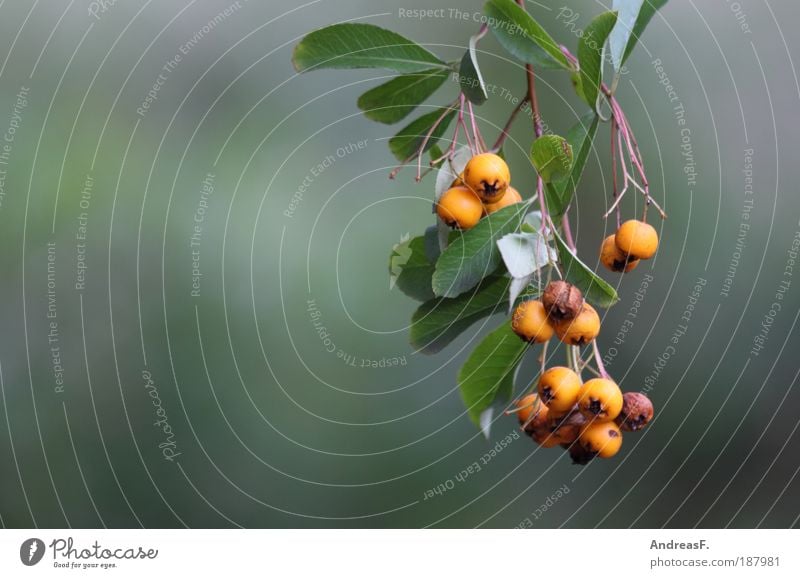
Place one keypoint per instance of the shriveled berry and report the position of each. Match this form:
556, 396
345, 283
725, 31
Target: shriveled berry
567, 428
601, 439
600, 400
637, 239
530, 322
580, 456
488, 176
558, 388
460, 208
581, 329
615, 260
562, 300
637, 411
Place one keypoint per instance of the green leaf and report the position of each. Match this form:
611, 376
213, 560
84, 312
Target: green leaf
591, 49
552, 157
357, 45
580, 137
394, 100
406, 143
646, 13
469, 76
474, 254
595, 290
488, 374
438, 322
410, 270
522, 36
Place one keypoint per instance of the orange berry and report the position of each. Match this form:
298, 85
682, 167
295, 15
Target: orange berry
510, 197
488, 176
600, 400
559, 388
615, 260
460, 208
637, 239
530, 322
581, 329
601, 438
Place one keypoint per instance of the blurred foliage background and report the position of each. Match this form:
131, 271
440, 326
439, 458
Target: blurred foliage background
198, 327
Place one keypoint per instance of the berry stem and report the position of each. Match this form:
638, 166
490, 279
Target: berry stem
599, 360
421, 151
504, 133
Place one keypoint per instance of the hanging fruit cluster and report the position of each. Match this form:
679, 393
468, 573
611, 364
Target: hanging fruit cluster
492, 248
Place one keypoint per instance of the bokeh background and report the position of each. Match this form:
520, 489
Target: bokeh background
129, 400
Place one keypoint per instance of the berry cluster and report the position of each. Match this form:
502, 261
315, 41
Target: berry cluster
483, 188
634, 240
586, 418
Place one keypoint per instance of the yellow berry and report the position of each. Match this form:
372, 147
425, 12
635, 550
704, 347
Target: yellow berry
637, 239
460, 208
530, 322
488, 176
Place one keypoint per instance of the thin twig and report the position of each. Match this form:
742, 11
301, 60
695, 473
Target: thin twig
504, 134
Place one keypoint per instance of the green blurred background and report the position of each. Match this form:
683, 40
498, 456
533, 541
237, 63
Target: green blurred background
128, 400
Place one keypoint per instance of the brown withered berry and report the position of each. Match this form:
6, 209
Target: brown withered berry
580, 455
637, 411
562, 300
567, 428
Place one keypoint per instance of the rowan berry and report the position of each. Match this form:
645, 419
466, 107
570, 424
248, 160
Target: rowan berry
460, 208
510, 197
601, 439
558, 388
530, 322
637, 411
600, 400
637, 239
488, 176
581, 329
615, 260
531, 412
